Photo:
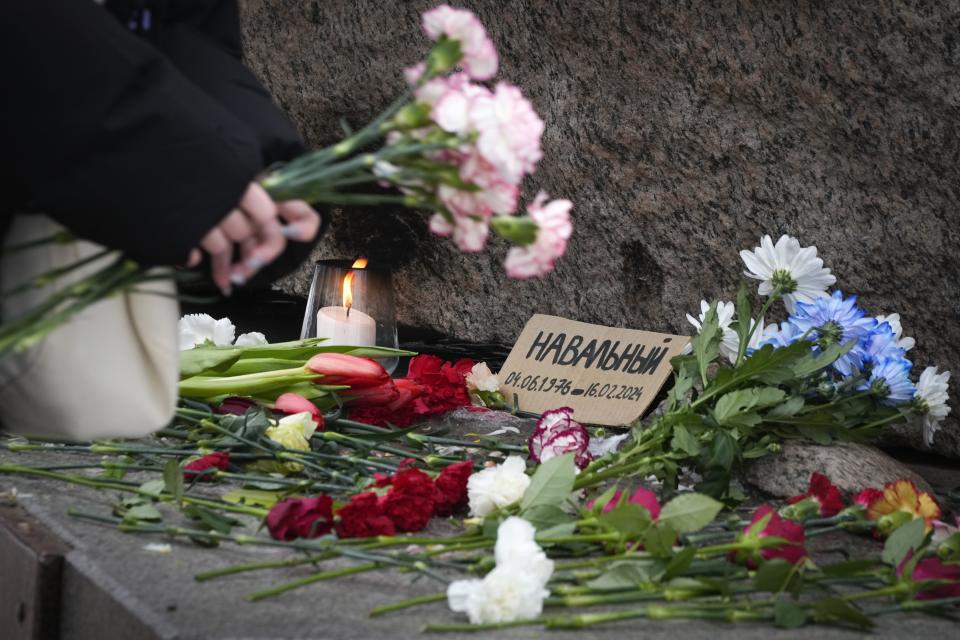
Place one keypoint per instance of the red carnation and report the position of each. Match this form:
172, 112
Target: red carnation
362, 517
216, 460
867, 496
558, 433
445, 384
791, 550
451, 485
294, 518
824, 493
291, 403
411, 500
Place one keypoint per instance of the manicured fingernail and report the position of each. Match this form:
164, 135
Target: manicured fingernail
254, 263
226, 291
238, 279
291, 232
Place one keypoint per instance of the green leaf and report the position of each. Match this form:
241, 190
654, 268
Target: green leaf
787, 615
153, 487
215, 521
604, 499
627, 519
684, 441
777, 575
689, 512
545, 516
173, 480
682, 384
788, 408
622, 575
252, 497
552, 482
723, 450
735, 404
706, 344
767, 365
200, 360
905, 538
146, 512
250, 426
836, 609
680, 562
659, 539
813, 362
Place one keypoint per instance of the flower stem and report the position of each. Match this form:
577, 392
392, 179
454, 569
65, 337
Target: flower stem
406, 604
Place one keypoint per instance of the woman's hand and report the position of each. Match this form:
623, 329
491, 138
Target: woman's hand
255, 227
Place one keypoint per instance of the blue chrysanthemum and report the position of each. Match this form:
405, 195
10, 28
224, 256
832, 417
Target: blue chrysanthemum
882, 343
786, 336
890, 381
836, 320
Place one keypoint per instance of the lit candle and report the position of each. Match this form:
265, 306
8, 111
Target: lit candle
346, 325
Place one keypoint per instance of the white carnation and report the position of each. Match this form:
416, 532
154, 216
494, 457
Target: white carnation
497, 487
251, 339
515, 588
197, 328
481, 378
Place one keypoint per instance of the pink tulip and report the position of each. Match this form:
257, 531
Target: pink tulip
341, 369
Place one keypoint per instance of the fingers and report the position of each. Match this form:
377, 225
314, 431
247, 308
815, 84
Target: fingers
260, 250
302, 220
258, 205
220, 249
195, 258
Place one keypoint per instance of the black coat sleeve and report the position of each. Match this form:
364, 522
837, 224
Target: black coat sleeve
110, 138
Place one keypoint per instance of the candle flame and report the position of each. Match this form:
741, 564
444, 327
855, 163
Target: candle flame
359, 263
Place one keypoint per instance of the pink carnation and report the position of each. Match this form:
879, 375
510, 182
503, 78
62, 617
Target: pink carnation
479, 55
558, 433
553, 230
509, 131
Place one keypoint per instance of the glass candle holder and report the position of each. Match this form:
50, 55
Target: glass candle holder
351, 303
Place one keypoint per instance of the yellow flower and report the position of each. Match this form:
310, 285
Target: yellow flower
903, 496
291, 432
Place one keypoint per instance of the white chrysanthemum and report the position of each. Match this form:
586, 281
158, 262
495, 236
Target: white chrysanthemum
729, 343
497, 487
197, 328
798, 272
905, 343
931, 398
481, 378
515, 588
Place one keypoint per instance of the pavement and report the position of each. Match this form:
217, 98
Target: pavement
113, 587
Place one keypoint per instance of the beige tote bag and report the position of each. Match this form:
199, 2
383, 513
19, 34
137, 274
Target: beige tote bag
111, 372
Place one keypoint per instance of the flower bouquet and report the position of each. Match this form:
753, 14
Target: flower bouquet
451, 147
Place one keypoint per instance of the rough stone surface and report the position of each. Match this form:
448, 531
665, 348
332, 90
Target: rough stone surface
851, 467
682, 132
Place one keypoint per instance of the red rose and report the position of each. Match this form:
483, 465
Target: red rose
558, 433
341, 369
362, 517
641, 496
451, 486
791, 550
411, 500
824, 493
235, 405
216, 460
294, 518
933, 568
291, 403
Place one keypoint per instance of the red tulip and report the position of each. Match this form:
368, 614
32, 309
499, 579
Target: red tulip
341, 369
290, 403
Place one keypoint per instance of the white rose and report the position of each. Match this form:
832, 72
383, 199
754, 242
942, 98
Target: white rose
497, 487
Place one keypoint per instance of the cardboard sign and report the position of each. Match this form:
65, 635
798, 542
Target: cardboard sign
609, 376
